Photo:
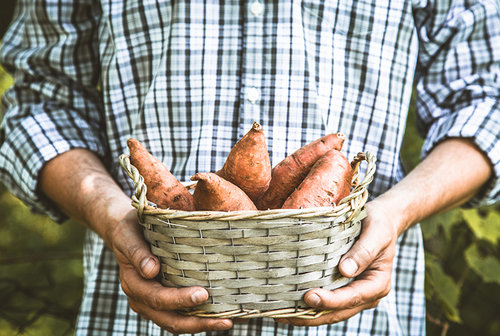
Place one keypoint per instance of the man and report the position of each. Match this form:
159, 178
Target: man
188, 78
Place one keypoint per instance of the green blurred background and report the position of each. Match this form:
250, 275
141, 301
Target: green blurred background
41, 261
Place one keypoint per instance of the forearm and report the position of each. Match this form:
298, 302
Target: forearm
79, 184
450, 175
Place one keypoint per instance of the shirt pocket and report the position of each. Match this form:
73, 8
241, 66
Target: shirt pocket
346, 18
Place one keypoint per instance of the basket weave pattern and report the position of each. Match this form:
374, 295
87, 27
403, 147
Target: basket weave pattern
253, 263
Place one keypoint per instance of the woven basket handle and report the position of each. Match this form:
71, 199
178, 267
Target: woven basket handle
370, 170
360, 186
139, 195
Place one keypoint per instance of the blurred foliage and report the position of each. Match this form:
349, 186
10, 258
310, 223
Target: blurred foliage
40, 271
41, 262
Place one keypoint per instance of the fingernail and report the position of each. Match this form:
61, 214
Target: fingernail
147, 265
198, 297
349, 266
314, 300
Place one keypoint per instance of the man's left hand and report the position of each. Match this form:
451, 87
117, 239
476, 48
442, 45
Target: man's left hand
370, 260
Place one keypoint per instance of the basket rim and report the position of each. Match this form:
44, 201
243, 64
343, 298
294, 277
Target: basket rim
355, 200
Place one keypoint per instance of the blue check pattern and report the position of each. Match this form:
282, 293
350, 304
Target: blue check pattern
188, 78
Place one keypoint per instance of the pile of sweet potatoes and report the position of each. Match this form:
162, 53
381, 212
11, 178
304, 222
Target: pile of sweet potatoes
316, 175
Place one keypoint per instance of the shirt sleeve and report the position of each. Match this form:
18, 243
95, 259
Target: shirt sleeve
54, 105
458, 79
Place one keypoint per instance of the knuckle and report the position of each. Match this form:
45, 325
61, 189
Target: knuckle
125, 288
175, 328
155, 302
335, 319
166, 327
181, 298
176, 300
366, 253
374, 304
133, 305
169, 324
355, 301
386, 290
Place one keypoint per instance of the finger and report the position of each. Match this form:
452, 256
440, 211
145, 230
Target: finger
373, 240
371, 287
158, 297
333, 317
177, 323
130, 247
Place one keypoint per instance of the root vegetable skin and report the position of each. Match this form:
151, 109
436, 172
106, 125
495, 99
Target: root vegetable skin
289, 173
248, 165
328, 181
213, 193
163, 188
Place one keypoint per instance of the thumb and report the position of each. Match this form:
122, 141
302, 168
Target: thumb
149, 266
354, 262
131, 250
364, 251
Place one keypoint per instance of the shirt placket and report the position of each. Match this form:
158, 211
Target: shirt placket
252, 65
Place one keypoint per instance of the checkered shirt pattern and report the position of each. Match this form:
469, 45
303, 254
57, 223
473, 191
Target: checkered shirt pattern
188, 78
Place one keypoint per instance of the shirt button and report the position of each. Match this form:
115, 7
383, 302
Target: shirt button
256, 8
253, 94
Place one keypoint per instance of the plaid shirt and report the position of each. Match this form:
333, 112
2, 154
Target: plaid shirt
188, 78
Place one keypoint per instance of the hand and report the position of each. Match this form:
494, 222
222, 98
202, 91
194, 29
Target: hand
149, 298
370, 260
90, 196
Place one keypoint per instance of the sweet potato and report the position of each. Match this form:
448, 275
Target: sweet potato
328, 181
248, 165
163, 188
289, 173
214, 193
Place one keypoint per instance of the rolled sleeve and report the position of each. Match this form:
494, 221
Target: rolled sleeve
458, 82
54, 104
481, 125
40, 137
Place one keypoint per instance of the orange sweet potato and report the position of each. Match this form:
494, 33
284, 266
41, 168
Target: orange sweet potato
162, 187
248, 165
214, 193
289, 173
328, 181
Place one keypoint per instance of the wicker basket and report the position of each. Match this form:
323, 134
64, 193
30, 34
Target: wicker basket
253, 263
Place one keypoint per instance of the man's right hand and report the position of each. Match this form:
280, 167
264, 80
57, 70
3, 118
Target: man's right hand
78, 182
146, 296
